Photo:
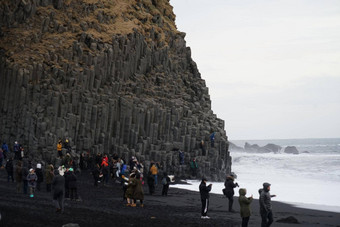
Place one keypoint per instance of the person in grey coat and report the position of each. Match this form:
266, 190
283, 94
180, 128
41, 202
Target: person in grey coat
58, 185
266, 205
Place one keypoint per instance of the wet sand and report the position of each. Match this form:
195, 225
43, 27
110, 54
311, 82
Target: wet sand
104, 206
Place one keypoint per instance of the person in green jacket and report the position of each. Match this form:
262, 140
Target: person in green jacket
244, 206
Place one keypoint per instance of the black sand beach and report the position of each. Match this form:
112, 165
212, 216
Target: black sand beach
104, 206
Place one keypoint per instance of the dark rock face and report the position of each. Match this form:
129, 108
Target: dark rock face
291, 150
134, 96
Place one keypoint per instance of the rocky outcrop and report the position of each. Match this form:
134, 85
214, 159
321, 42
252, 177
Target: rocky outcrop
291, 150
269, 148
112, 77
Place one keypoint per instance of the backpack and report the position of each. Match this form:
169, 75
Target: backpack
164, 181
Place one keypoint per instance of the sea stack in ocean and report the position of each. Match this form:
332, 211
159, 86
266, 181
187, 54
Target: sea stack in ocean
110, 76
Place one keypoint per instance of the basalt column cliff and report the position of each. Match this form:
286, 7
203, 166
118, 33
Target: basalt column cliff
112, 76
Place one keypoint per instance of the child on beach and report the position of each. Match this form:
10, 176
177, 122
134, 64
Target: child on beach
245, 206
32, 181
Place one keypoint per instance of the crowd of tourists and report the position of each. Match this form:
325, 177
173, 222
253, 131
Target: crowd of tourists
61, 179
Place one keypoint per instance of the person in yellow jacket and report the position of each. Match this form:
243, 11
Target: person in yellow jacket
154, 171
59, 149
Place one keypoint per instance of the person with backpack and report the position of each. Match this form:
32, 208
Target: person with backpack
229, 191
165, 183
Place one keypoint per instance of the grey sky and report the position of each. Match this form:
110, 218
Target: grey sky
272, 67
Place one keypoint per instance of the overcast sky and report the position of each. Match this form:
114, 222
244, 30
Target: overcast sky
272, 67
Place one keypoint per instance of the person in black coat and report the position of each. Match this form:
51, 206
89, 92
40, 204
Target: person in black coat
72, 184
9, 169
67, 187
58, 185
96, 173
40, 176
204, 191
24, 179
165, 183
151, 183
229, 191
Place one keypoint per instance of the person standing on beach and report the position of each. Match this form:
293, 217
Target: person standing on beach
154, 172
10, 169
165, 183
138, 194
229, 190
32, 181
40, 176
58, 185
204, 191
5, 149
266, 205
244, 206
49, 175
18, 176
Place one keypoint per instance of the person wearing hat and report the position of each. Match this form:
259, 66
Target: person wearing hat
229, 190
204, 191
244, 206
266, 205
40, 176
130, 190
32, 181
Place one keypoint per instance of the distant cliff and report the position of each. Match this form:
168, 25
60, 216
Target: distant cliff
112, 76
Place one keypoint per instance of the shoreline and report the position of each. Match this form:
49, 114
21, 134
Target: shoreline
104, 205
320, 207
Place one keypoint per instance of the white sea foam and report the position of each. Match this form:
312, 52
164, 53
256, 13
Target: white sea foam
308, 180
